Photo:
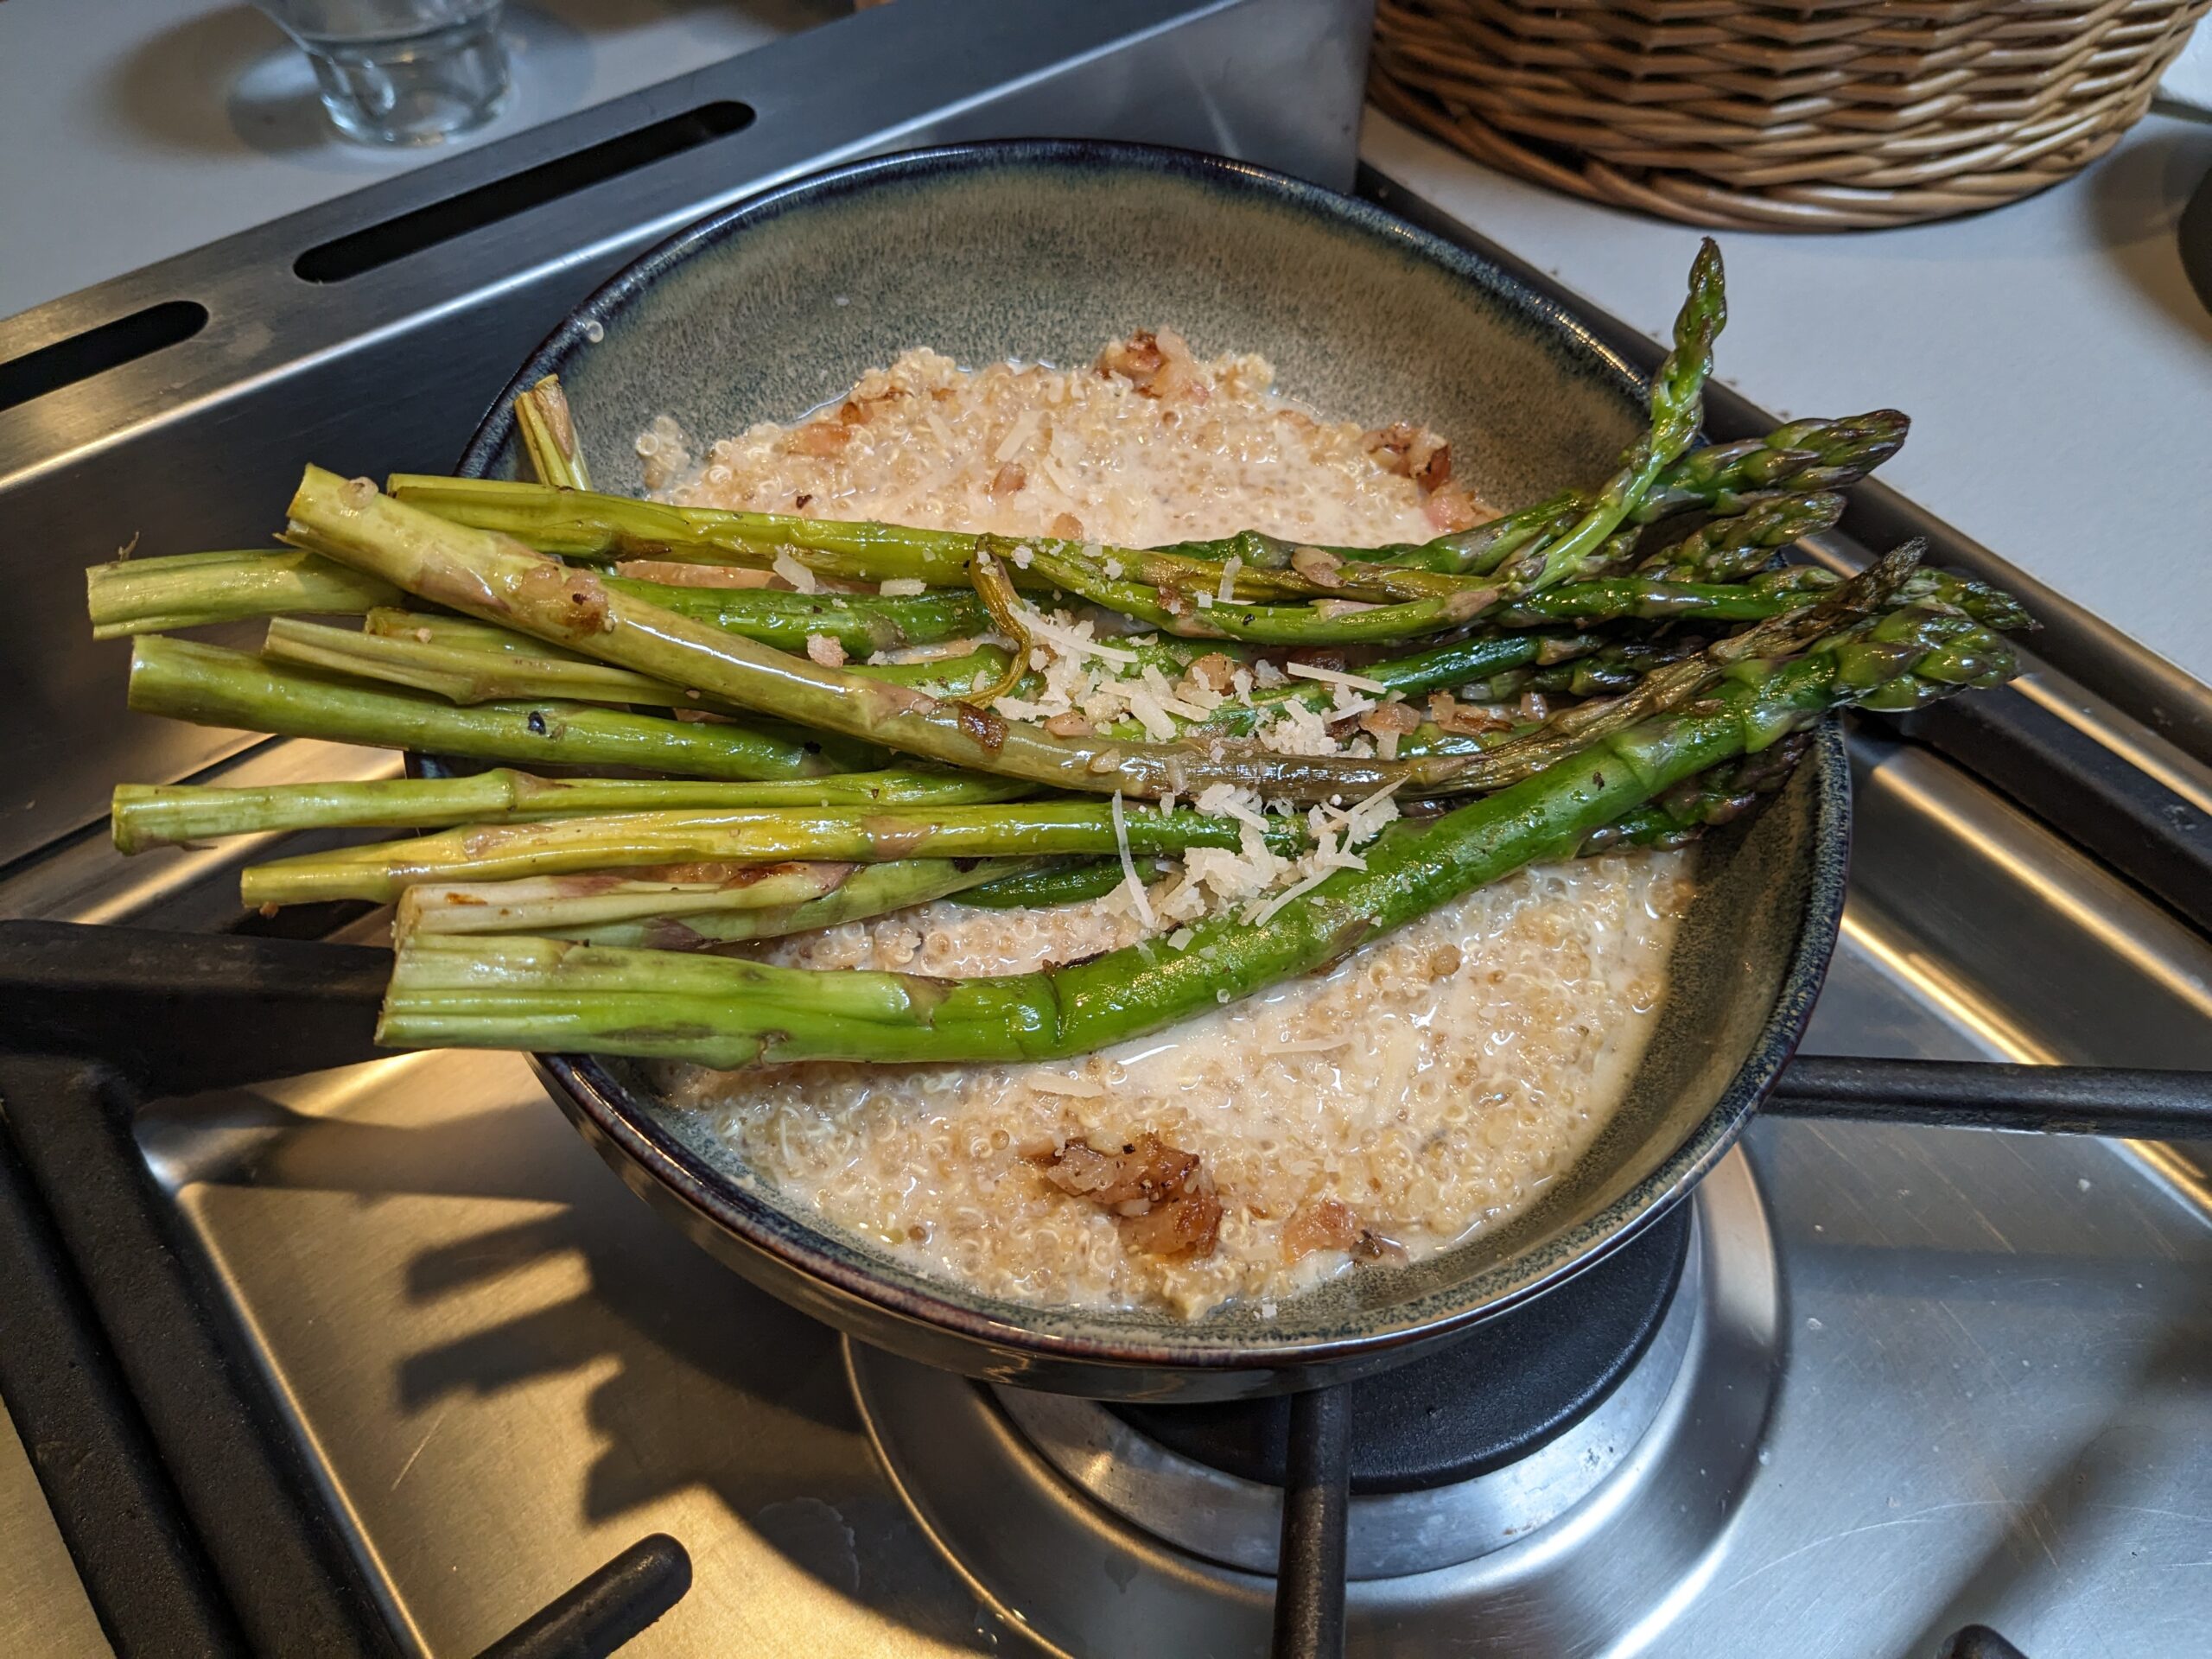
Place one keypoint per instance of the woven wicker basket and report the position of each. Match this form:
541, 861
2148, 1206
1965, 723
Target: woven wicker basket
1788, 115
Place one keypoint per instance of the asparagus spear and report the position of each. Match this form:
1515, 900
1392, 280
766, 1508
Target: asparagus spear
134, 596
149, 816
1729, 549
549, 433
1677, 405
497, 580
211, 686
1066, 883
695, 908
579, 524
471, 641
383, 870
1670, 686
1715, 796
522, 993
465, 673
1802, 456
189, 590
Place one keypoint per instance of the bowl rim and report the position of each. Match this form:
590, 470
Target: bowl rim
705, 1196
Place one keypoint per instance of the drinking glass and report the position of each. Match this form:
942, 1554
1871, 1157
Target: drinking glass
401, 72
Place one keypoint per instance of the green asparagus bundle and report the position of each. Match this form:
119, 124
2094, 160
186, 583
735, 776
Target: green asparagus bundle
1047, 719
545, 993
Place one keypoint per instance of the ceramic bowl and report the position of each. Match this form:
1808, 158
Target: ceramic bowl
1043, 251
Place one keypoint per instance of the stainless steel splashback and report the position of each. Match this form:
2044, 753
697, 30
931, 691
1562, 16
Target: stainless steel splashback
371, 333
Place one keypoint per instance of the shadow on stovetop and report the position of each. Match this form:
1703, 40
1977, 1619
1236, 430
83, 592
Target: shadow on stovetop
702, 1385
2044, 1534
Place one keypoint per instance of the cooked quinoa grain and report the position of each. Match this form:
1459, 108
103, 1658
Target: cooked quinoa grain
1430, 1085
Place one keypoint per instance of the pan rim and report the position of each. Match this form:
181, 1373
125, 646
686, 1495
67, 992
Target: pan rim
618, 1122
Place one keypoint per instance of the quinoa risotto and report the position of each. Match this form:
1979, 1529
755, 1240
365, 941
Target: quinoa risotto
1430, 1085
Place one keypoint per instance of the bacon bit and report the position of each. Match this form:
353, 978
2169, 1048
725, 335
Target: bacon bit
852, 412
1137, 359
1070, 724
1317, 566
824, 440
1147, 1168
825, 650
1411, 451
1371, 1246
1067, 527
1158, 363
800, 501
1009, 478
1179, 375
1453, 509
1400, 717
1188, 1226
1163, 1202
1214, 671
1329, 1225
1466, 718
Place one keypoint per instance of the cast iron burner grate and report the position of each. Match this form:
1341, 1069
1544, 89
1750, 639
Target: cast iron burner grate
1512, 1385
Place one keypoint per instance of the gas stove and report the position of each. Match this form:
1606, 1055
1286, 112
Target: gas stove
1875, 1385
379, 1358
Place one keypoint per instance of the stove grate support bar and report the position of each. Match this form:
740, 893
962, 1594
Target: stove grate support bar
1310, 1580
176, 1484
287, 1576
150, 1585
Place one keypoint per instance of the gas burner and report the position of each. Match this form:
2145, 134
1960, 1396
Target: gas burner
1453, 1456
1549, 1515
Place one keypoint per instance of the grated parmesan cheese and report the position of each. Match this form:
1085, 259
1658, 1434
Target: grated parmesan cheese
1136, 892
795, 573
1330, 675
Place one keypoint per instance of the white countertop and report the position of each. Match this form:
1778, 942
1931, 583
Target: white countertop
184, 121
2055, 362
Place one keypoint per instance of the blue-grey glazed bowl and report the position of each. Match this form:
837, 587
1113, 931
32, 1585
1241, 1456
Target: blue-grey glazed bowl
1045, 249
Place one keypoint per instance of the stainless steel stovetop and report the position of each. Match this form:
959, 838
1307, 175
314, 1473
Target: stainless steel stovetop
1975, 1383
1916, 1378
